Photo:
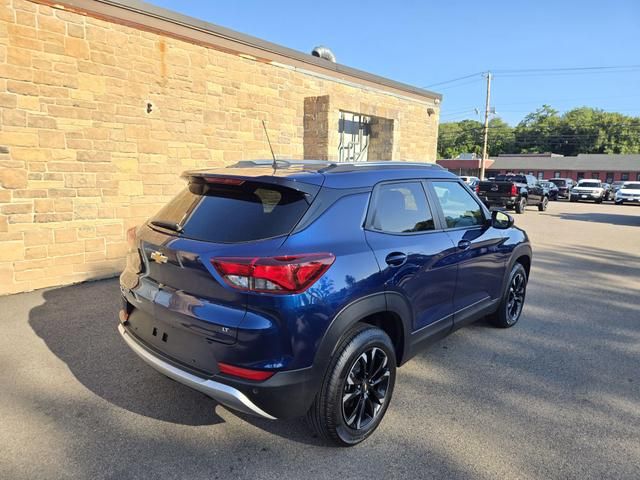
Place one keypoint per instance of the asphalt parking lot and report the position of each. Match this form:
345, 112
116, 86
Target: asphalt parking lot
558, 396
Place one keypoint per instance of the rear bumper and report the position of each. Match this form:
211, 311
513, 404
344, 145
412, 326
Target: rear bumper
288, 394
497, 201
226, 395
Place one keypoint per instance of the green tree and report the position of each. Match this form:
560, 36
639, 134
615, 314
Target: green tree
459, 137
501, 137
581, 130
538, 131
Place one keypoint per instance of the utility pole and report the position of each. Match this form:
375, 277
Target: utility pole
486, 126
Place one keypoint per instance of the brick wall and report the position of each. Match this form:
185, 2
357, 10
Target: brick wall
99, 119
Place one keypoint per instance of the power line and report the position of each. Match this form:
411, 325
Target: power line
454, 80
469, 82
525, 134
524, 71
564, 69
566, 100
458, 112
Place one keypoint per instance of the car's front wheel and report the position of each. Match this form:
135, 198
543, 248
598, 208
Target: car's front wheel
510, 307
542, 206
357, 387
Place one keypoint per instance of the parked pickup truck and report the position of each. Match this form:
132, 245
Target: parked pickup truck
513, 191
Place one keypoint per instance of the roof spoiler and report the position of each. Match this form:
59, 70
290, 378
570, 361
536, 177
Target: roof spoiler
237, 179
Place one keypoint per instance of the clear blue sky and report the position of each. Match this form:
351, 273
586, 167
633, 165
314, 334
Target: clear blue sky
426, 42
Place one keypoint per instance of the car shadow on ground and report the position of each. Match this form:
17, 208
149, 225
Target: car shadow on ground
78, 324
632, 219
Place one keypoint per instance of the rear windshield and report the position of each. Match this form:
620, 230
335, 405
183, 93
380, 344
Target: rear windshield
589, 184
558, 182
511, 178
234, 213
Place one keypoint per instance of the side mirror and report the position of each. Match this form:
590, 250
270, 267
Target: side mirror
501, 220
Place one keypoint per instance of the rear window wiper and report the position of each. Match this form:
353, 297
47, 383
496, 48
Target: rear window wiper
168, 225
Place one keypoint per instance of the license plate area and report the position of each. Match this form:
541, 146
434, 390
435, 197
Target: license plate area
189, 349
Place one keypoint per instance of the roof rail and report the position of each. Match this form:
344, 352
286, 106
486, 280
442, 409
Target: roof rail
351, 167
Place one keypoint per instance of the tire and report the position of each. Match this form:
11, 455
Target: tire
542, 206
506, 316
573, 199
599, 200
619, 202
345, 423
521, 205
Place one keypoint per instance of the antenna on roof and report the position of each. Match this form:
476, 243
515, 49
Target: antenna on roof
275, 163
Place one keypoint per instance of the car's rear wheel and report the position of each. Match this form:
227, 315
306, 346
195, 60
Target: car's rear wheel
510, 307
357, 387
521, 205
542, 206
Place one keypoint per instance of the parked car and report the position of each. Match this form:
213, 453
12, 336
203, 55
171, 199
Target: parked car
628, 192
588, 190
564, 186
243, 288
615, 186
553, 189
471, 181
513, 191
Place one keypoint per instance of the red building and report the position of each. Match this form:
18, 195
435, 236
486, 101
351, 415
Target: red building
605, 167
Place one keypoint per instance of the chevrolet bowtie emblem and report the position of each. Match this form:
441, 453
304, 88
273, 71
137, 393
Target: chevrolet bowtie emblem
158, 257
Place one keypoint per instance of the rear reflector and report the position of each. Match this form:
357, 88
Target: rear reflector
258, 375
283, 274
131, 238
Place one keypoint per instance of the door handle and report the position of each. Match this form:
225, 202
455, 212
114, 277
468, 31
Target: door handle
464, 244
395, 259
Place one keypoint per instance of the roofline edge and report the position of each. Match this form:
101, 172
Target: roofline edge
136, 13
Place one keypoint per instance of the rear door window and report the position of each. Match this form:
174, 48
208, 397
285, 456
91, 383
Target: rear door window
234, 213
400, 208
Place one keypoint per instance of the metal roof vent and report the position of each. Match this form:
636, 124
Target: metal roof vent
323, 52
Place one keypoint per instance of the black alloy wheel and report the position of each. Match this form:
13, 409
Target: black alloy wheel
365, 389
510, 308
542, 206
515, 299
357, 387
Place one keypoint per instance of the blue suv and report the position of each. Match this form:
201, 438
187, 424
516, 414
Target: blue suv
292, 288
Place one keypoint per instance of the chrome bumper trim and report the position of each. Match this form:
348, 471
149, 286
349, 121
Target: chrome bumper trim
220, 392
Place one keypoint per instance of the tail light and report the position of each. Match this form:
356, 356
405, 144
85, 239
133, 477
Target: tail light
514, 190
224, 180
283, 274
246, 373
134, 262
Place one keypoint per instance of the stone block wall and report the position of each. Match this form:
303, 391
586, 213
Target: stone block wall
99, 119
